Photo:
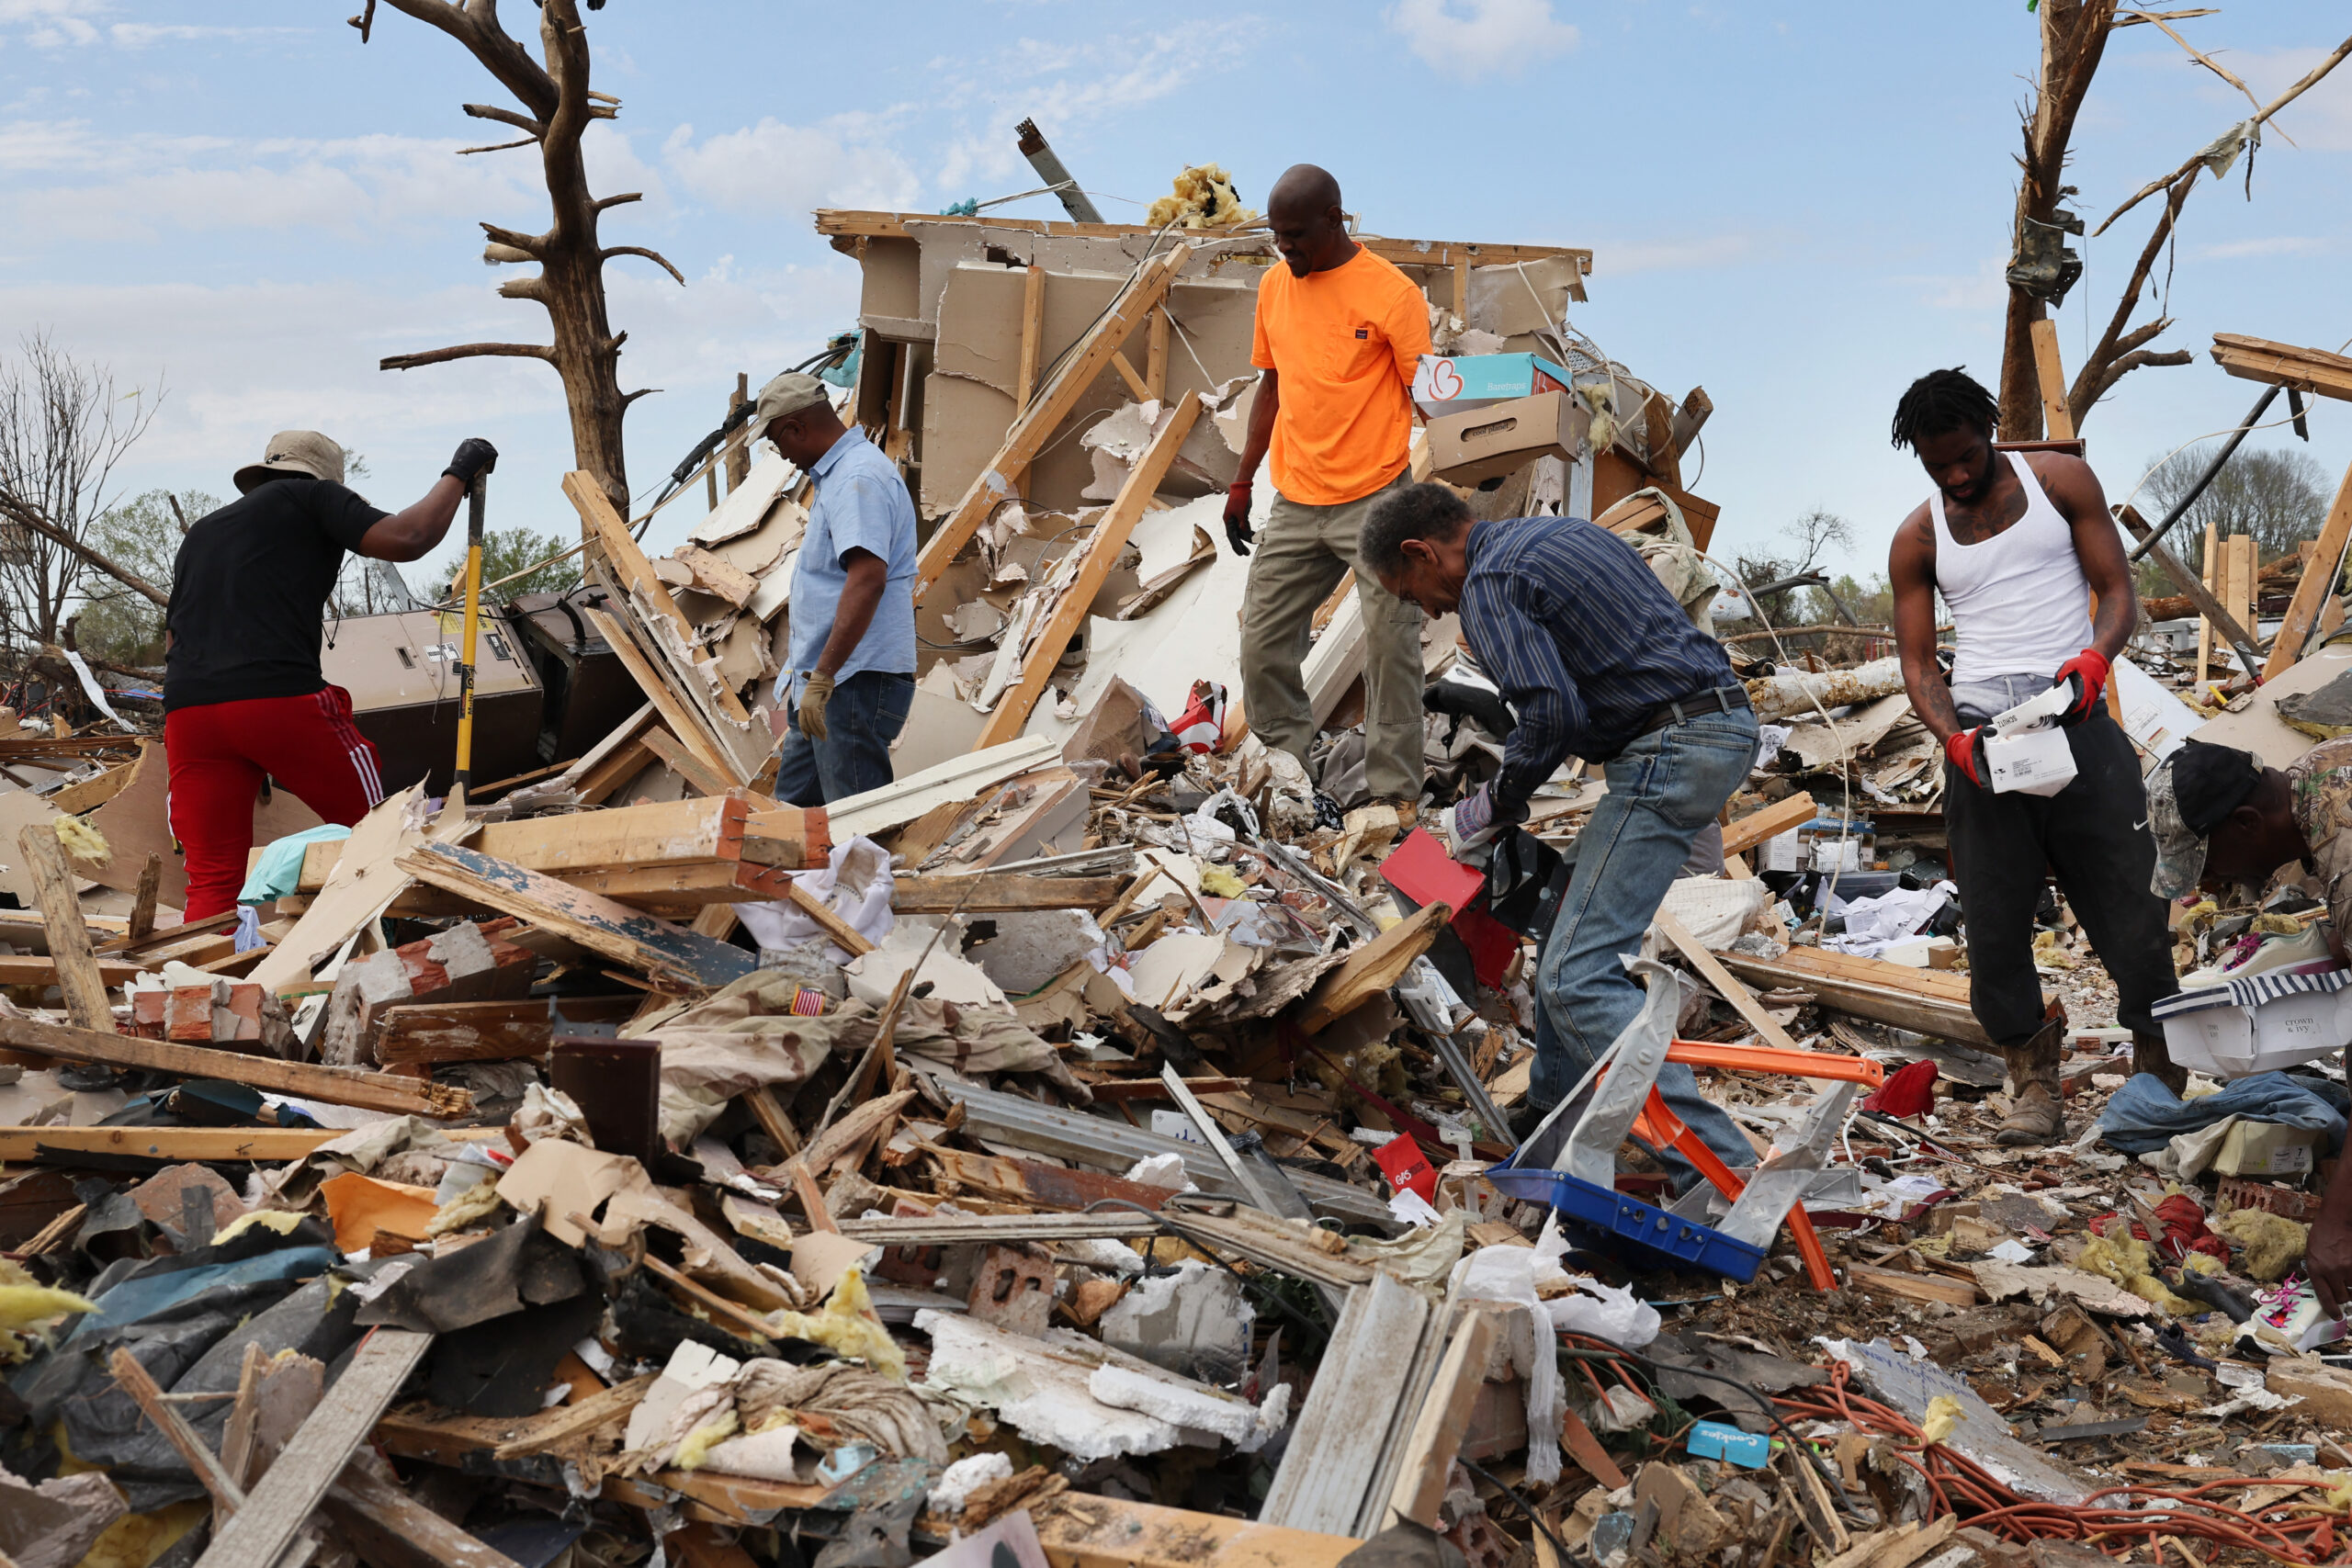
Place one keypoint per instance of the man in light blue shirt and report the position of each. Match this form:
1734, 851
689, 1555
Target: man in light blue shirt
845, 694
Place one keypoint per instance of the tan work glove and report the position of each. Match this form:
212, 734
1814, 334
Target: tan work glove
813, 698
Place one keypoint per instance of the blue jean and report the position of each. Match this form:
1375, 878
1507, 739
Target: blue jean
865, 715
1663, 789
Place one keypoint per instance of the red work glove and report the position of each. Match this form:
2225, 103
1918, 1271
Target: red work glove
1237, 532
1961, 748
2088, 669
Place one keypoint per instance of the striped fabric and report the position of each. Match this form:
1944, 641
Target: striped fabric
1584, 642
2253, 990
335, 706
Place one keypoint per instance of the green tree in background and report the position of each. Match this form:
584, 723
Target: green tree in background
144, 533
2278, 494
506, 551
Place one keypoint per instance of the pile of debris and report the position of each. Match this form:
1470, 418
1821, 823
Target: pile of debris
1092, 1146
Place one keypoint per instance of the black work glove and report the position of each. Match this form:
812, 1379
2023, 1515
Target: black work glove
1237, 532
475, 457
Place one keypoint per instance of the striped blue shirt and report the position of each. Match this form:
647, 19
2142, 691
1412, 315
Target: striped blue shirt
1585, 642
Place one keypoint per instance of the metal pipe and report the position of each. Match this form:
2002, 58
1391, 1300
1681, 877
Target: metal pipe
2180, 508
1049, 169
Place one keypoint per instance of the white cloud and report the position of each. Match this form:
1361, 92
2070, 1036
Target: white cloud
775, 168
140, 35
1624, 260
1474, 37
2272, 245
1986, 289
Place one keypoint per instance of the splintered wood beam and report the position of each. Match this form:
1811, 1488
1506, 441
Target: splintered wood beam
609, 536
1773, 820
699, 775
1036, 424
2057, 418
1726, 984
846, 937
657, 691
1097, 556
1136, 386
292, 1487
336, 1086
1370, 968
1436, 1437
77, 966
204, 1146
669, 955
2283, 365
1033, 323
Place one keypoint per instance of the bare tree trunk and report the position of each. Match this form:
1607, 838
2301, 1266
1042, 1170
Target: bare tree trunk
558, 104
2073, 37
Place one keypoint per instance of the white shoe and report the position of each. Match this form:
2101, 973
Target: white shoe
2306, 946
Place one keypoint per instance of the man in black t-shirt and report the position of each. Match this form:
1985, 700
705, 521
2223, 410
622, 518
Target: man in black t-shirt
243, 696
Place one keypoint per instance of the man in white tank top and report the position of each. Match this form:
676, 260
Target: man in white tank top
2018, 544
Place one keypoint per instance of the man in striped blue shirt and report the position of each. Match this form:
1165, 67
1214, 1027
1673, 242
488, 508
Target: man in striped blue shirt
1599, 662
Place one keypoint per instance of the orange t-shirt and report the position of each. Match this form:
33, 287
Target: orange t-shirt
1345, 343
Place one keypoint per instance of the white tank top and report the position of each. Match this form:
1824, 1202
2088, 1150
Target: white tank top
2019, 603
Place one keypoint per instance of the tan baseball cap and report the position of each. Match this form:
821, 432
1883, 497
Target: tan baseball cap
293, 452
787, 393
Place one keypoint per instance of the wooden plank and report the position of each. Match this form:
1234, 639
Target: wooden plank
672, 832
142, 901
1752, 829
845, 936
538, 1434
1370, 968
288, 1493
1058, 1189
2318, 585
610, 536
91, 794
392, 1530
1136, 386
133, 1377
1097, 557
2057, 419
2205, 628
669, 955
686, 887
1036, 424
203, 1145
1727, 986
1925, 1013
829, 1143
999, 891
364, 884
699, 774
657, 691
2283, 365
1914, 1287
1350, 1411
32, 969
75, 966
336, 1086
1032, 321
1437, 1431
1155, 358
464, 1032
849, 224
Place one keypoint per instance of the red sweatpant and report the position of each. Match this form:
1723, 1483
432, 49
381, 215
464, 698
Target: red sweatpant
219, 752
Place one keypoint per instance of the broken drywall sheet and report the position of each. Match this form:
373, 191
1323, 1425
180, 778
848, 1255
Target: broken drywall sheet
746, 507
1193, 635
1981, 1435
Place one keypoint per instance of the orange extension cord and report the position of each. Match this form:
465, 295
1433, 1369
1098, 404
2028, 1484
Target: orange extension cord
1961, 1486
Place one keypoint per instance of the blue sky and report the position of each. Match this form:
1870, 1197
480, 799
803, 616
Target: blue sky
1798, 207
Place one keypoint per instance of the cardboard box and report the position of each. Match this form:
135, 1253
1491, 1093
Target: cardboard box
2040, 761
1448, 383
2237, 1041
2267, 1148
1484, 444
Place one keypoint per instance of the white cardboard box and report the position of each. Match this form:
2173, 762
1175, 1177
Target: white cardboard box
2236, 1042
2040, 761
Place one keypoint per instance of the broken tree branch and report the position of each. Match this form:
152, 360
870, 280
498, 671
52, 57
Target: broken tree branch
467, 351
654, 256
2196, 160
26, 517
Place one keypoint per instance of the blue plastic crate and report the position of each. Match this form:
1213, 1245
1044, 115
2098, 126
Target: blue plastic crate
1644, 1236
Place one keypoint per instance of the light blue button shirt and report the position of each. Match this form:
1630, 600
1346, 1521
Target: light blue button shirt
862, 504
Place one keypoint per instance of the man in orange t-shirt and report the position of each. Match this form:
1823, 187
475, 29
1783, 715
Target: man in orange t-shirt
1339, 335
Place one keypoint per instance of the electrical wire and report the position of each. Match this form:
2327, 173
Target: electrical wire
1521, 1504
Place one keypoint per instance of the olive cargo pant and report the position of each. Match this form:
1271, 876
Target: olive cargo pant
1302, 553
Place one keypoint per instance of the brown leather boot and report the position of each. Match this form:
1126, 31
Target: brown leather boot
2149, 1055
2035, 1115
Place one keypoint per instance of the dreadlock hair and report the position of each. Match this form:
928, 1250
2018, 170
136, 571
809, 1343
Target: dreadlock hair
1942, 400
